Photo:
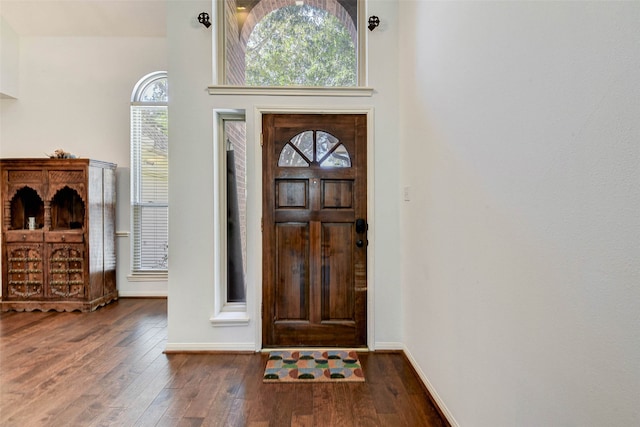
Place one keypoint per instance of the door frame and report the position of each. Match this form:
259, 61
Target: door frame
259, 111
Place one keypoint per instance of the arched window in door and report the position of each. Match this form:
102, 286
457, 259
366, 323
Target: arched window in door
314, 147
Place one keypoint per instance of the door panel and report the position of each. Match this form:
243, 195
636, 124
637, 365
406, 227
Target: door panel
337, 194
292, 274
337, 271
314, 270
291, 194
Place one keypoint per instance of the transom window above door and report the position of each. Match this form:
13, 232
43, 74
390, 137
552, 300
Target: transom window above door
287, 43
314, 148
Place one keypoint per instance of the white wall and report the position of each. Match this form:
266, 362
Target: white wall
9, 53
521, 242
191, 281
75, 94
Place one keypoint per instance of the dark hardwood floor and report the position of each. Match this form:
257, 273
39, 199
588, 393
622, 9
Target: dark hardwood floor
107, 368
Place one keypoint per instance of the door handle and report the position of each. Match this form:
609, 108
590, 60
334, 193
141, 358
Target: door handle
361, 226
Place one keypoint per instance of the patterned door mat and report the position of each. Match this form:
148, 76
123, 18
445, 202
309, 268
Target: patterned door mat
318, 365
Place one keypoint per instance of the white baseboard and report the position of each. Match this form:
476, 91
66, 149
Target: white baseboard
142, 294
434, 394
382, 346
196, 347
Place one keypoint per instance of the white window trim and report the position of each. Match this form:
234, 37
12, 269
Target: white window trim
356, 91
227, 318
225, 314
148, 277
219, 88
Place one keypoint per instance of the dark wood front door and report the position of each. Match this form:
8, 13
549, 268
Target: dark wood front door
314, 230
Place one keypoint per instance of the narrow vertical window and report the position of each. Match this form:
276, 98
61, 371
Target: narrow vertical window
150, 174
236, 201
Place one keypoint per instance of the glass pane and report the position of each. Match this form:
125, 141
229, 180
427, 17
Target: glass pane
304, 142
151, 229
290, 158
338, 159
270, 43
324, 143
235, 135
155, 91
150, 138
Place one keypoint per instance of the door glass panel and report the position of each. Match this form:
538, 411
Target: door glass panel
324, 143
338, 159
290, 158
304, 142
317, 147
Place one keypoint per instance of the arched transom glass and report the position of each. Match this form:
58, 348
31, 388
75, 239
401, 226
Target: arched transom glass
314, 147
151, 89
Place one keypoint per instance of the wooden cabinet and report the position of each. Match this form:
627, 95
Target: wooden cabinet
58, 234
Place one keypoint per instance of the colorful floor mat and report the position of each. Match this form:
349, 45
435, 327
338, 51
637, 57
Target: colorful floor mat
321, 365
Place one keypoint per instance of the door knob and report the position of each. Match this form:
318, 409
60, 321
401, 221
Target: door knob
359, 243
361, 225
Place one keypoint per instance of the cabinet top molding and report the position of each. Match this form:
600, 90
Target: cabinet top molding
48, 162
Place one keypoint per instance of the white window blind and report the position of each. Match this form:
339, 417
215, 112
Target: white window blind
150, 189
150, 174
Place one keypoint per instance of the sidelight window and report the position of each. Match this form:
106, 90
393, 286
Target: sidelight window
236, 200
230, 199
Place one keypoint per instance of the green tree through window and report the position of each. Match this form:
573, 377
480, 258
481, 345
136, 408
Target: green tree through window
300, 46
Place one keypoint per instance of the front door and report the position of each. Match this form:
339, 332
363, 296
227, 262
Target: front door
314, 230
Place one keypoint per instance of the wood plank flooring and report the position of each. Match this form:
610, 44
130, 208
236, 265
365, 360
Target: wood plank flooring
107, 368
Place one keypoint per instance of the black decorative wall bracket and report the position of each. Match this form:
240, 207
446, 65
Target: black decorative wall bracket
203, 18
374, 21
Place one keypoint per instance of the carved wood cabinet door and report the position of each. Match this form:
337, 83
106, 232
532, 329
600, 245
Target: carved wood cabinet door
314, 230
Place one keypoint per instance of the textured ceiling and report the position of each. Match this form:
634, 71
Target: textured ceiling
91, 18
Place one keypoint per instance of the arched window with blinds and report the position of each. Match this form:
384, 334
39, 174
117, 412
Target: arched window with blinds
150, 174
